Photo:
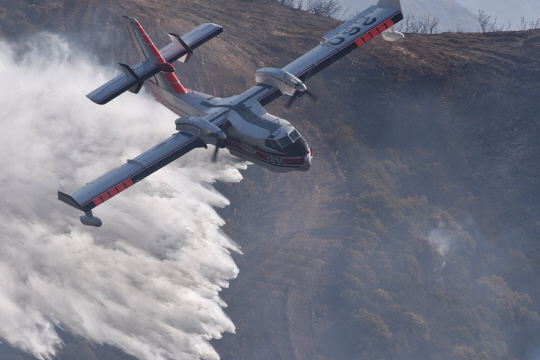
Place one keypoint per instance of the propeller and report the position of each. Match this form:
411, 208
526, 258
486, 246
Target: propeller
221, 142
299, 93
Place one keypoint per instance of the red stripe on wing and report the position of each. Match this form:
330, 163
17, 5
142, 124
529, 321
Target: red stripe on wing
112, 192
359, 42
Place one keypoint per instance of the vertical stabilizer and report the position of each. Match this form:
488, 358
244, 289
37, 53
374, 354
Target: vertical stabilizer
148, 52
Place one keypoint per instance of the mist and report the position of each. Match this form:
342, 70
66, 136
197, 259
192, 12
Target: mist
460, 14
148, 281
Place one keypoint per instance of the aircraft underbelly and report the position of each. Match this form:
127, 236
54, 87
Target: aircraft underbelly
275, 163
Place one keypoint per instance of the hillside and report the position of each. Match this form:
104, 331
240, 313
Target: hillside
414, 234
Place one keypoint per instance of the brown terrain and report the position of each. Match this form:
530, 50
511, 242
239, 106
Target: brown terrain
439, 132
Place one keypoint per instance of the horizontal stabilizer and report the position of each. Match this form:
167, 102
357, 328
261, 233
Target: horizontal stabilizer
150, 67
177, 40
131, 75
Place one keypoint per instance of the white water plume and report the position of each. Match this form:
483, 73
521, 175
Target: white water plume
148, 280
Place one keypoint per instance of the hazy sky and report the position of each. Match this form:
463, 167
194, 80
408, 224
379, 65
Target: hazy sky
462, 13
505, 10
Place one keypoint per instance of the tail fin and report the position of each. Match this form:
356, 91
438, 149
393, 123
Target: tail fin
133, 78
148, 52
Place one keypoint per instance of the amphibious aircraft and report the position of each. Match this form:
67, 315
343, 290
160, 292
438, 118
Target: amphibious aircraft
238, 123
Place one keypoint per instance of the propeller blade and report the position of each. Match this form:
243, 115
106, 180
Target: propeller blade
221, 142
292, 99
312, 96
290, 102
214, 157
297, 94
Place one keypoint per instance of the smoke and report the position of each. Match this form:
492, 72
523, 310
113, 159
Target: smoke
441, 241
148, 280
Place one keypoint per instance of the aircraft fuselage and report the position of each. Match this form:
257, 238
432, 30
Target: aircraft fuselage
252, 133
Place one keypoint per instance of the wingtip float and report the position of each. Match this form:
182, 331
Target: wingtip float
239, 123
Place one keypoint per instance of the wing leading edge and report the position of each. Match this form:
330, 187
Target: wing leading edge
341, 41
117, 180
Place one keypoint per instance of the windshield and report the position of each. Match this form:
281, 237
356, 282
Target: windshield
271, 144
294, 135
284, 141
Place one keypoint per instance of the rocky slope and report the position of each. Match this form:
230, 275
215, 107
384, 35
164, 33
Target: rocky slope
414, 235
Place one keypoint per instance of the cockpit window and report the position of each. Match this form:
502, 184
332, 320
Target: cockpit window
271, 144
284, 141
294, 135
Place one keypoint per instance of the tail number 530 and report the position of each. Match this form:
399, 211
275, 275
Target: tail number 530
275, 160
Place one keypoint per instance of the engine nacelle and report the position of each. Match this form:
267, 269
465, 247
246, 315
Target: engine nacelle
284, 81
197, 126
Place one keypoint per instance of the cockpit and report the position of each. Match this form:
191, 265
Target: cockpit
292, 143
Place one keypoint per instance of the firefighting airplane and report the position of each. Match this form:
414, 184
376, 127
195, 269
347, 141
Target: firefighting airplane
238, 123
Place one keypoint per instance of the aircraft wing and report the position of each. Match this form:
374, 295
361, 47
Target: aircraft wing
117, 180
341, 41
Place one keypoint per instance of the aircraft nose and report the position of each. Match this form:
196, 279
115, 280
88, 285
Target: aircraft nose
307, 162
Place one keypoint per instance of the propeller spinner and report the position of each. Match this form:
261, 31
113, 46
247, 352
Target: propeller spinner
286, 82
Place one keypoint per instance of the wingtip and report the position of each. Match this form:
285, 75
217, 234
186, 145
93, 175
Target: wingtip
94, 101
65, 198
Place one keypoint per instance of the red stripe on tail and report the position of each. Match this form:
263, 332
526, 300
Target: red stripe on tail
175, 83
